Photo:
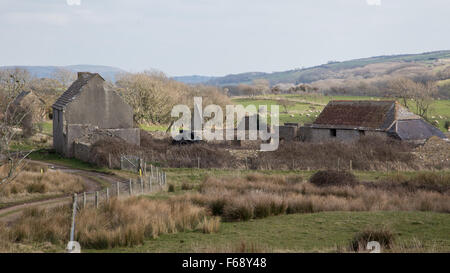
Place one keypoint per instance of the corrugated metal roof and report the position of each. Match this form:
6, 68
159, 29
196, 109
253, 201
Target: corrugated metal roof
357, 114
74, 90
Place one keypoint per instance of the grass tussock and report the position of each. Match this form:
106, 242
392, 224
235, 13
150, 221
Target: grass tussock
35, 180
118, 223
333, 178
259, 196
209, 225
384, 236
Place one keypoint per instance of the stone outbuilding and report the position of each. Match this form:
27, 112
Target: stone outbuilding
89, 109
350, 120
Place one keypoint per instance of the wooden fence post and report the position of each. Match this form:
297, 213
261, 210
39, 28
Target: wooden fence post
74, 213
338, 162
150, 182
84, 200
96, 199
198, 162
109, 160
118, 189
130, 186
151, 170
107, 194
351, 167
142, 184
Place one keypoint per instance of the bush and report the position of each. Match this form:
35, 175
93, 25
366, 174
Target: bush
217, 206
239, 210
171, 188
382, 235
333, 178
186, 186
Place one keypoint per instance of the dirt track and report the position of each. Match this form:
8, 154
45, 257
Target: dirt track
10, 214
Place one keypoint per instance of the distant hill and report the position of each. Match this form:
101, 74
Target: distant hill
107, 72
193, 79
331, 70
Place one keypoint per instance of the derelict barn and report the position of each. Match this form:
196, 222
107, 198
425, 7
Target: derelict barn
350, 120
89, 110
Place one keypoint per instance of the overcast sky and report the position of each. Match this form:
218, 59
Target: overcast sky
216, 37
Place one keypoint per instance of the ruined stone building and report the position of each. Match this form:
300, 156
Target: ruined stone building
350, 120
29, 109
89, 110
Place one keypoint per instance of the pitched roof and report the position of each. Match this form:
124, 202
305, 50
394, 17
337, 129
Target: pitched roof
414, 129
23, 95
357, 114
74, 90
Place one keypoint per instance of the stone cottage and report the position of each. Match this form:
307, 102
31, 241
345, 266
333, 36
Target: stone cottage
87, 111
350, 120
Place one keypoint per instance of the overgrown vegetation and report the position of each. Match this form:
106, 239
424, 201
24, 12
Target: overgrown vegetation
259, 196
118, 223
36, 181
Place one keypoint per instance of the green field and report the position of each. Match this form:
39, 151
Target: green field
440, 109
316, 232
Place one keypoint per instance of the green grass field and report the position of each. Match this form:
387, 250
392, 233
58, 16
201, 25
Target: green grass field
440, 109
317, 232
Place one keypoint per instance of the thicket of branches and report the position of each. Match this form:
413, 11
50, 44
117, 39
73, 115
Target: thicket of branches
153, 95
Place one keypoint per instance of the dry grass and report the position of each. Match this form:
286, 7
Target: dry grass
258, 196
32, 183
163, 152
384, 236
118, 223
369, 153
209, 225
333, 178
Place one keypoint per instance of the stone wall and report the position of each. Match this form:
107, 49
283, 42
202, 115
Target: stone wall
309, 134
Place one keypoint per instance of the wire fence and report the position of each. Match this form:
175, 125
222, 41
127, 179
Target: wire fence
150, 180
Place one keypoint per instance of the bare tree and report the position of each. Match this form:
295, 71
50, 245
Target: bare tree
64, 76
286, 103
420, 94
10, 118
261, 85
13, 81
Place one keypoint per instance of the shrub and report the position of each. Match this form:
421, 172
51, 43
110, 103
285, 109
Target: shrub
239, 210
333, 178
186, 186
382, 235
217, 206
171, 188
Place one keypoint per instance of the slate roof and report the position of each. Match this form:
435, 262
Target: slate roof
413, 129
24, 94
74, 90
